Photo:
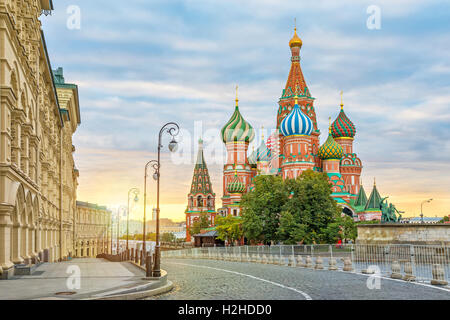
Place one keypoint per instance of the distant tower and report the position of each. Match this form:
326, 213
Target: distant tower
201, 198
154, 214
236, 134
263, 157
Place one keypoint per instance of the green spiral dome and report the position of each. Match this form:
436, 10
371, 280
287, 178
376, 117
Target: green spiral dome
237, 129
236, 186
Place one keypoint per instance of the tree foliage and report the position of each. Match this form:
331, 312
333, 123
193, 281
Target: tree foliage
229, 228
292, 210
198, 225
168, 237
262, 208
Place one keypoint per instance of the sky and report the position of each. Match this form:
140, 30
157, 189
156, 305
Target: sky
139, 64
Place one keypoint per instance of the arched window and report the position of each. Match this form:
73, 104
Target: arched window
209, 201
199, 201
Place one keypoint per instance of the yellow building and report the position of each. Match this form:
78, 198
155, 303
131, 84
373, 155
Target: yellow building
39, 113
92, 230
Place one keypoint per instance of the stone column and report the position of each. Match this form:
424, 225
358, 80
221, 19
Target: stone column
24, 243
16, 244
5, 237
31, 241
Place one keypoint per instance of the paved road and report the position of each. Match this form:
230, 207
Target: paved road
211, 279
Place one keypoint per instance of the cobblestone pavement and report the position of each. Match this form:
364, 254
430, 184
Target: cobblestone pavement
96, 276
202, 279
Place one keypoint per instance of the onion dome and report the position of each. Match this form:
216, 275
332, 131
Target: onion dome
263, 153
342, 126
236, 186
330, 150
295, 41
237, 129
296, 122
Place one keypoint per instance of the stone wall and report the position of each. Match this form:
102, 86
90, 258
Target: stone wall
438, 234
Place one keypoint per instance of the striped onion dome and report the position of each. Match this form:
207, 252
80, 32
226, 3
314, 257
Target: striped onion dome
263, 153
342, 126
237, 129
236, 186
296, 123
330, 150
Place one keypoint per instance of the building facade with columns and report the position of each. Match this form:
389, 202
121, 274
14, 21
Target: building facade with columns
92, 230
39, 113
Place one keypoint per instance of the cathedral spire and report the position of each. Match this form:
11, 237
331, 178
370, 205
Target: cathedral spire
201, 182
295, 85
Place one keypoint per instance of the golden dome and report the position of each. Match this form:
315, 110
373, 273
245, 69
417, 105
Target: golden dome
295, 41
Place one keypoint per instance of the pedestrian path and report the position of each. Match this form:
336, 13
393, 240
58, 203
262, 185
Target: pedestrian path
74, 279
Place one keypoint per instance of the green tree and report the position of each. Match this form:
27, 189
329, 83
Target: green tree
229, 228
261, 208
343, 228
198, 225
311, 204
168, 237
291, 231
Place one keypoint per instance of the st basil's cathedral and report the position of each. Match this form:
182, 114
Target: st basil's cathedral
292, 149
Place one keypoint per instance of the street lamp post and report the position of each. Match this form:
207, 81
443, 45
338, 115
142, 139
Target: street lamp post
154, 164
173, 129
421, 209
118, 227
111, 232
135, 191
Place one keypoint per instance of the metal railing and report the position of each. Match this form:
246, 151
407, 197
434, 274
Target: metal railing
423, 263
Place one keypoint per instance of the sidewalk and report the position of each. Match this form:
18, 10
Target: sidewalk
99, 278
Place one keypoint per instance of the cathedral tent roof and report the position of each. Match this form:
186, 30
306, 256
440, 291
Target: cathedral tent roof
374, 199
201, 182
361, 200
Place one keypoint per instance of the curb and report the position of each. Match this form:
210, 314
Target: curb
138, 295
161, 285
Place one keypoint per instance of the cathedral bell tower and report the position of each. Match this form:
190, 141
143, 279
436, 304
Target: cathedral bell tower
296, 86
201, 198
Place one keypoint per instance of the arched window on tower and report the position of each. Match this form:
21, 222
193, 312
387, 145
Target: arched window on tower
209, 201
199, 201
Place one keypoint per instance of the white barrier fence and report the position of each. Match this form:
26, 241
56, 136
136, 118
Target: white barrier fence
408, 262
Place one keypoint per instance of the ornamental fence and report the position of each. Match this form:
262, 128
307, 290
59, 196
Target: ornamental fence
422, 263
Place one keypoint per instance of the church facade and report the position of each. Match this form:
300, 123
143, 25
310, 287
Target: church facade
293, 148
